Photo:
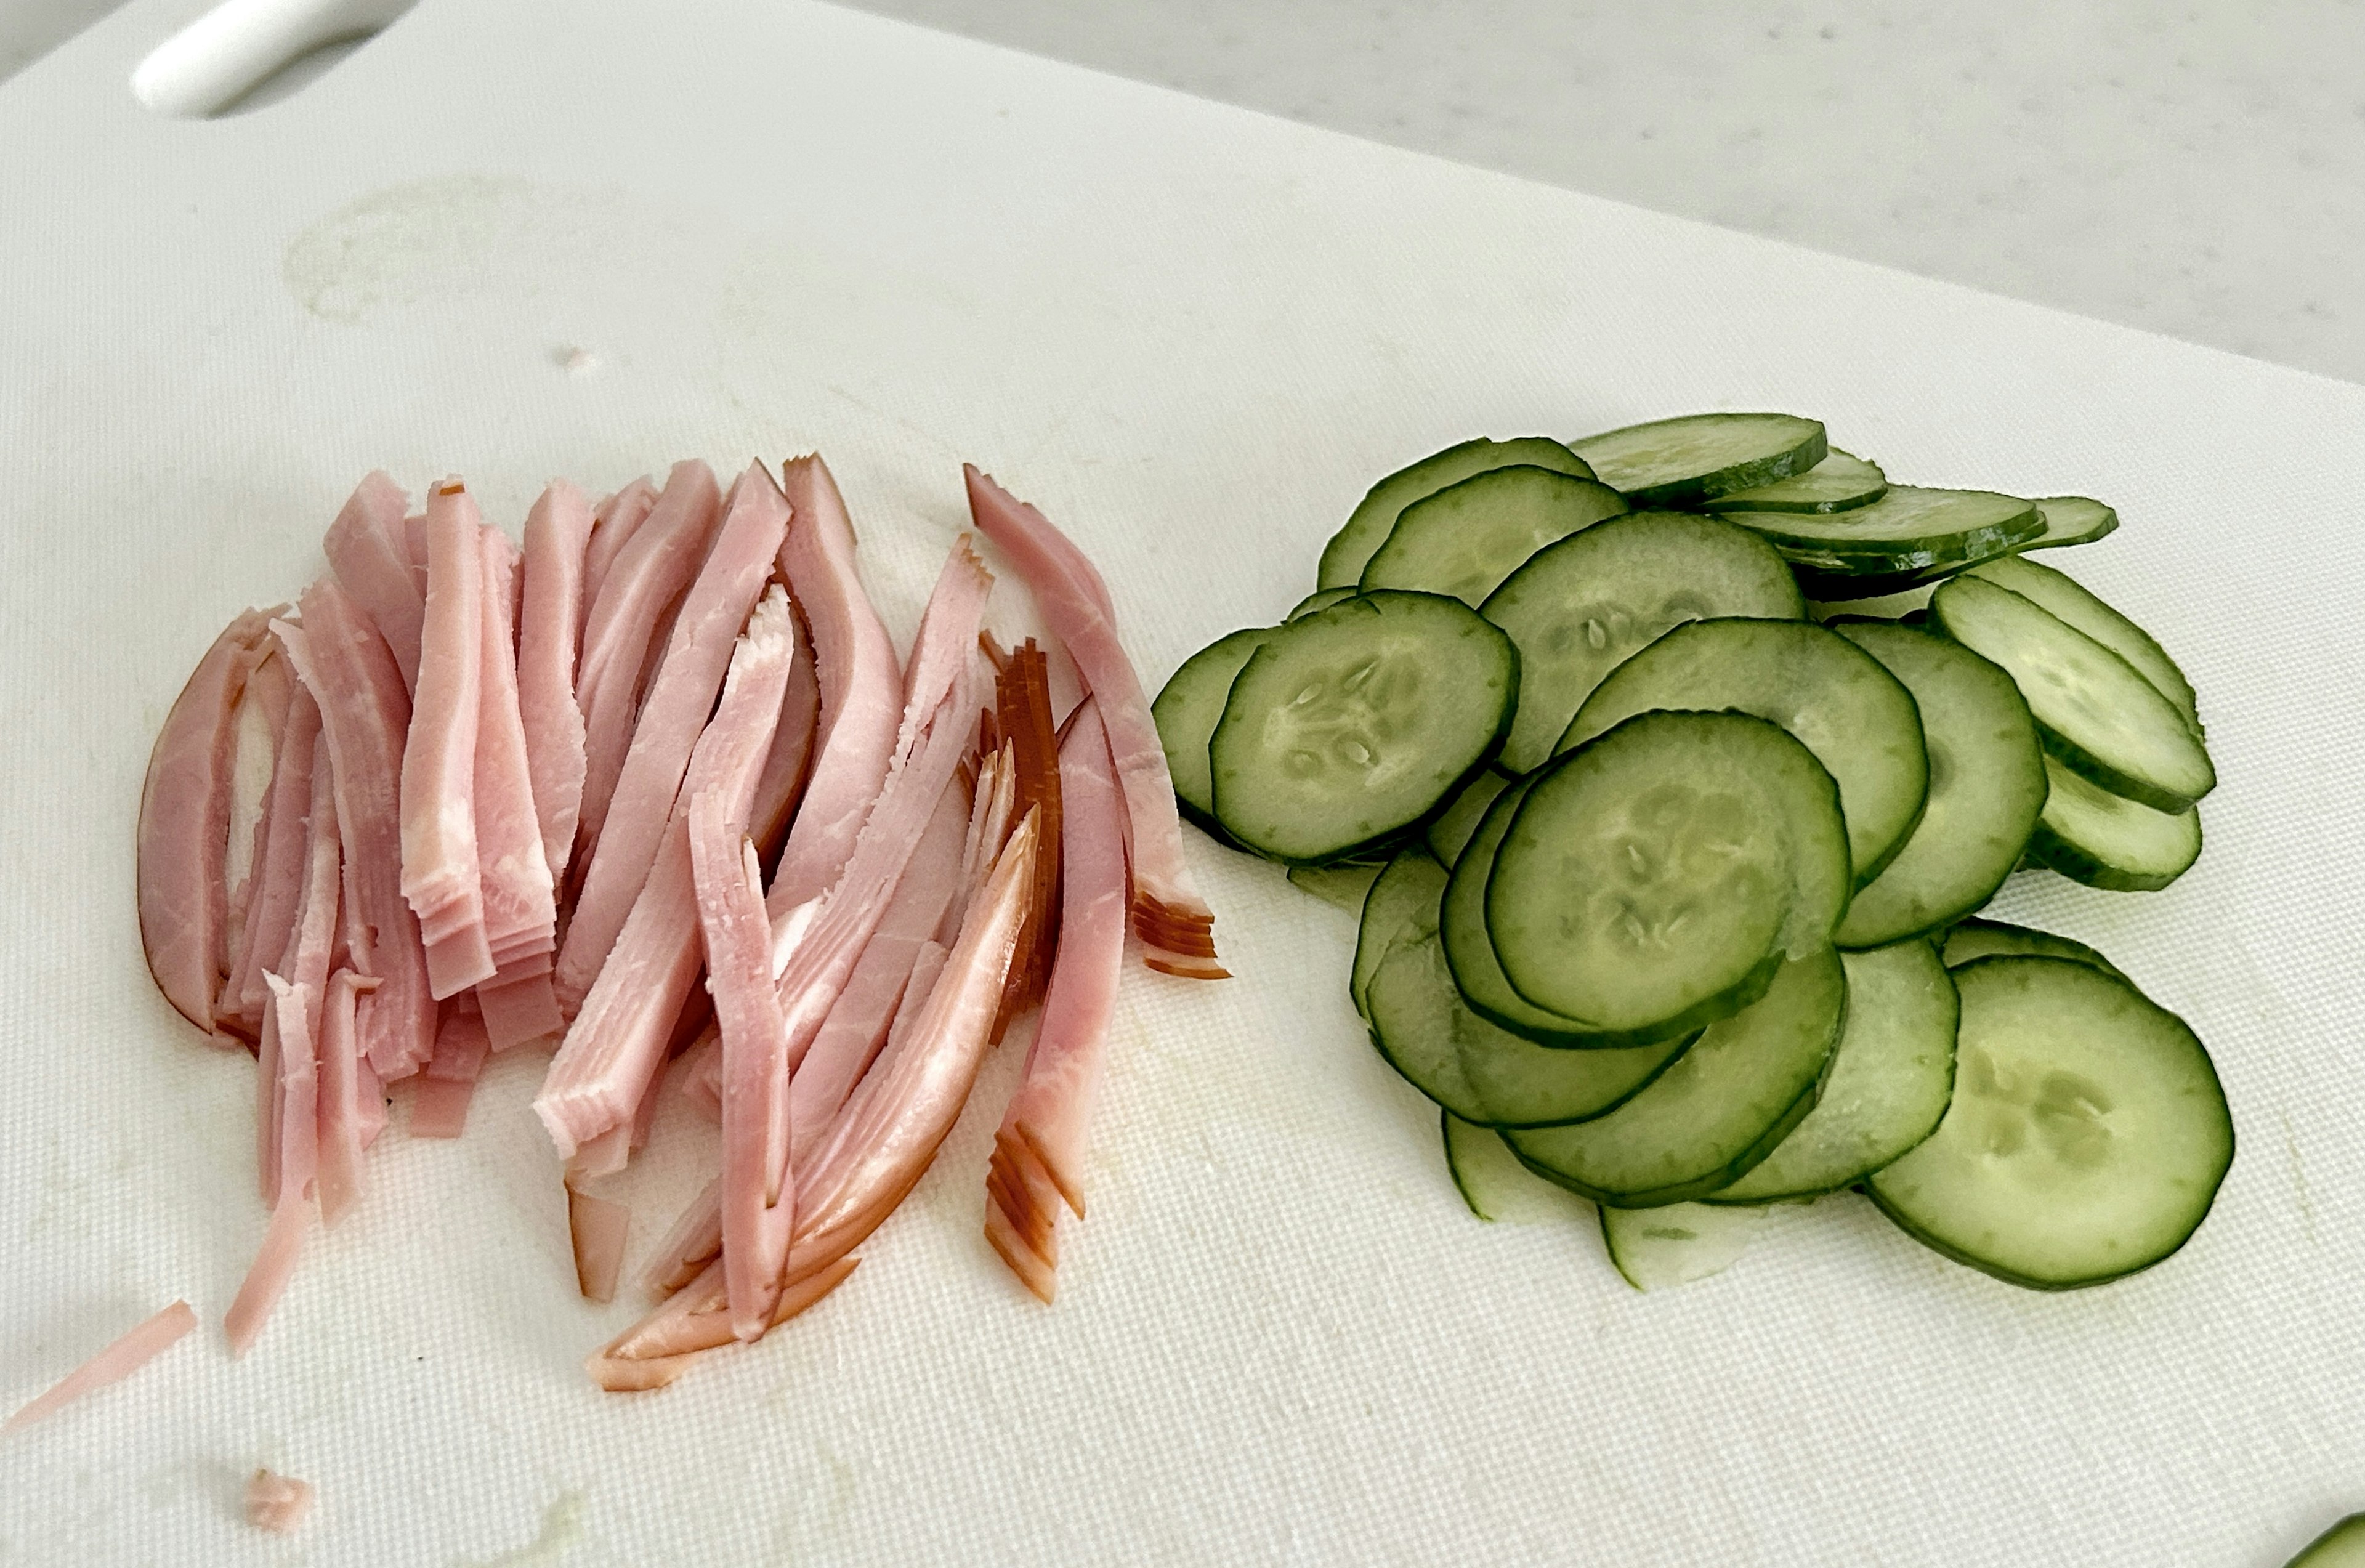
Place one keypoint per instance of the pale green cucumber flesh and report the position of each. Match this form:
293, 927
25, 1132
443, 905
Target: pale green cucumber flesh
1696, 457
1659, 1248
1349, 549
1464, 540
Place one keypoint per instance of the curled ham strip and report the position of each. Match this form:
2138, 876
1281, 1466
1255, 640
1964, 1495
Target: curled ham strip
277, 1503
1038, 1152
278, 877
299, 1083
368, 547
441, 873
671, 717
1173, 922
185, 828
520, 893
344, 1117
613, 524
598, 1229
788, 768
861, 682
756, 1200
670, 1342
652, 569
364, 713
613, 1048
126, 1355
550, 639
440, 1106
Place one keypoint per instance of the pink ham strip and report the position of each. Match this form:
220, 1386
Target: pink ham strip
261, 719
652, 569
670, 720
757, 1197
694, 1239
343, 1114
614, 1048
440, 874
1174, 921
598, 1229
1039, 1149
670, 1340
788, 768
126, 1355
550, 639
521, 911
277, 1503
279, 865
344, 664
283, 1244
305, 962
860, 684
440, 1106
185, 829
613, 523
368, 548
518, 1004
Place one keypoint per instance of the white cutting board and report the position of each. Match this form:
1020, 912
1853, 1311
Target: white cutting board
1193, 335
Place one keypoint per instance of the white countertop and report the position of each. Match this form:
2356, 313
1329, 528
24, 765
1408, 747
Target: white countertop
2201, 173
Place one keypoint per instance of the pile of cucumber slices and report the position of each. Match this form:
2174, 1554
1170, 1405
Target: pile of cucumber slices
1668, 854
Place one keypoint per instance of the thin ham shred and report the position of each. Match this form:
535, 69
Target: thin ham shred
671, 718
151, 1338
277, 1503
369, 549
1175, 926
297, 1078
519, 895
550, 639
598, 1227
440, 1106
613, 523
1038, 1152
278, 877
788, 768
305, 962
1023, 716
349, 1095
442, 875
185, 828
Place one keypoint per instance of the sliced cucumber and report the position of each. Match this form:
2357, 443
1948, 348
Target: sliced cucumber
2062, 596
1462, 926
1497, 1188
1910, 535
1975, 939
1656, 1249
1721, 1108
2092, 836
1464, 540
1350, 548
1484, 1074
2086, 1136
2071, 520
1187, 711
1889, 1081
1401, 907
1841, 482
1689, 459
2342, 1546
1857, 718
1320, 599
1987, 786
1650, 880
1341, 887
1349, 726
1578, 609
2098, 713
1451, 829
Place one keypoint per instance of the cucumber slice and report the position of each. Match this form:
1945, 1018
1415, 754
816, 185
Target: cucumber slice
1401, 907
1722, 1107
1341, 887
1451, 829
1581, 606
1681, 460
1348, 727
1187, 711
1648, 880
1857, 718
1841, 482
1497, 1188
1975, 939
2342, 1546
2086, 1137
1464, 540
1656, 1249
1910, 535
1889, 1081
2061, 595
2092, 836
1320, 599
1462, 926
1987, 786
1484, 1074
2071, 520
1350, 548
2097, 714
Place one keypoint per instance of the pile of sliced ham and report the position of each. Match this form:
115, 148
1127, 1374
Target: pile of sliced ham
656, 784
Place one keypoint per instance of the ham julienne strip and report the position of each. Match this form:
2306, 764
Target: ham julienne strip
441, 873
368, 549
550, 640
1173, 922
613, 524
519, 898
278, 876
146, 1341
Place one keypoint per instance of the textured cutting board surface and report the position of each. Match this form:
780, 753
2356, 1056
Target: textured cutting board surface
515, 239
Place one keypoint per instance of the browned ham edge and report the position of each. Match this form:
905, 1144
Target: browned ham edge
142, 1344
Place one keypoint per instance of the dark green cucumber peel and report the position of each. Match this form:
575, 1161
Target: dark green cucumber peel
1972, 940
1841, 482
1694, 458
1464, 540
1186, 713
